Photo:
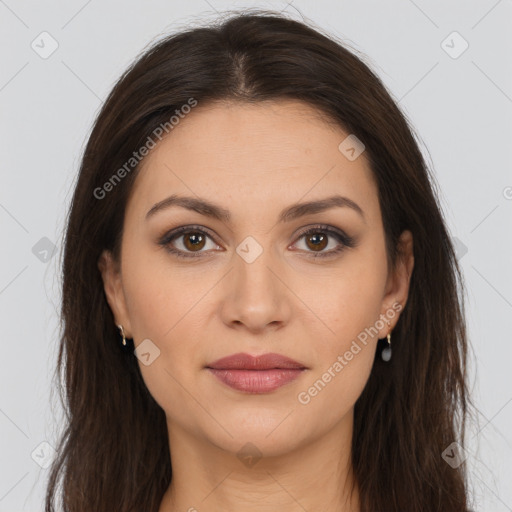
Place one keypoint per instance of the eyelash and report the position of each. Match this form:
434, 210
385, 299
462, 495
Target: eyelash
345, 240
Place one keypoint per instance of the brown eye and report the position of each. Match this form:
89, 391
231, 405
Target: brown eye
317, 241
194, 241
189, 242
324, 241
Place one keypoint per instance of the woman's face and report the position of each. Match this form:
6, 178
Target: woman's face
250, 281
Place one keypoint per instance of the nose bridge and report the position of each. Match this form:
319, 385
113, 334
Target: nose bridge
252, 273
256, 297
252, 264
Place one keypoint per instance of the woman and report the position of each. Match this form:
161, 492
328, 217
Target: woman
260, 295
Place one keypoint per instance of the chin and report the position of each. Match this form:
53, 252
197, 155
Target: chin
265, 432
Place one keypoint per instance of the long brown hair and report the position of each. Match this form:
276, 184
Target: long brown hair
113, 454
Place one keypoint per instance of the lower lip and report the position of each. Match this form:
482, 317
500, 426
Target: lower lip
257, 381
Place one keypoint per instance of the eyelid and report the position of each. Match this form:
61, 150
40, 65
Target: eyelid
169, 235
321, 227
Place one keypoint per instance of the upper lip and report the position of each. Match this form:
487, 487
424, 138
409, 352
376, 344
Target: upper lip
243, 361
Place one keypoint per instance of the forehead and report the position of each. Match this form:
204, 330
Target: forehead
253, 155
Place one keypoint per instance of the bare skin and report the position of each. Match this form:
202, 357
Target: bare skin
255, 161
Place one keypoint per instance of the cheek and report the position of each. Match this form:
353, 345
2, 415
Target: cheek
346, 299
330, 394
160, 295
171, 306
162, 304
349, 307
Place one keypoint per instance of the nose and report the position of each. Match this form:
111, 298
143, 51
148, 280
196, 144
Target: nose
255, 295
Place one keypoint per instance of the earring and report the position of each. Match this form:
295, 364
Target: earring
126, 343
386, 353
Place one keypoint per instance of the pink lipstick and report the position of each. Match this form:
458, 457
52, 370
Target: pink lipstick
256, 374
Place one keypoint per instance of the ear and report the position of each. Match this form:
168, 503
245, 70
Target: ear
112, 283
397, 286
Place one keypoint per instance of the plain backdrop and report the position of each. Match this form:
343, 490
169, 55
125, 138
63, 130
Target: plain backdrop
448, 64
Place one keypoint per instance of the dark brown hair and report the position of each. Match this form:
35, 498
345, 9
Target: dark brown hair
113, 454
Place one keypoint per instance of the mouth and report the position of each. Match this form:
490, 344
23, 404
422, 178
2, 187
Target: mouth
256, 374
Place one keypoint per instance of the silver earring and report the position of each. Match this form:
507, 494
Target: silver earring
386, 353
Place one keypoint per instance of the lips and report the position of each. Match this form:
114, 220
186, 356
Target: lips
256, 374
248, 362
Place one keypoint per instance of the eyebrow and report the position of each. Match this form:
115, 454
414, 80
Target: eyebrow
204, 207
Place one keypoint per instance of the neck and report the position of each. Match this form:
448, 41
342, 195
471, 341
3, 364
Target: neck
316, 475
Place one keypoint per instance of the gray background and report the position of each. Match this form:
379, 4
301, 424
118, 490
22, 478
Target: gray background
461, 108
